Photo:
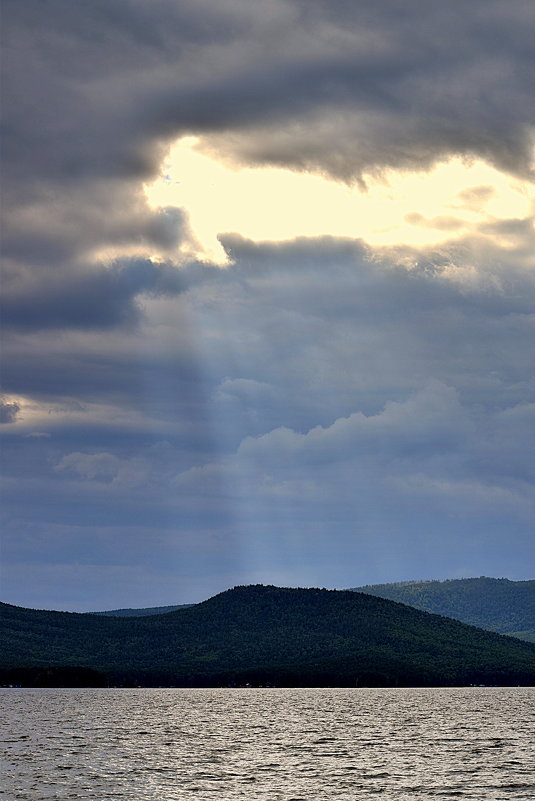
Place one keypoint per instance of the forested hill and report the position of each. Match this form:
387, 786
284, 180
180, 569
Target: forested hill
498, 605
151, 610
267, 635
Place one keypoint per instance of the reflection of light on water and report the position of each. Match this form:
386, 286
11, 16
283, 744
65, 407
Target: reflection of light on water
263, 744
273, 204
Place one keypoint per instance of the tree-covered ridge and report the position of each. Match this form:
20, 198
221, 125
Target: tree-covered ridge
269, 635
495, 604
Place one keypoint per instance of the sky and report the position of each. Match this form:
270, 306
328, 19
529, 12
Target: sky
268, 296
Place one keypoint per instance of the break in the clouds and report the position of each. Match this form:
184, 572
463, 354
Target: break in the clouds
268, 295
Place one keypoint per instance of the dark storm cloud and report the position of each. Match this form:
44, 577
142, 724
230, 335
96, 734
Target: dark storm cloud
95, 86
400, 88
53, 236
91, 299
94, 93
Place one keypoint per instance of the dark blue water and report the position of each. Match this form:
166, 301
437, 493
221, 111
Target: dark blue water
269, 744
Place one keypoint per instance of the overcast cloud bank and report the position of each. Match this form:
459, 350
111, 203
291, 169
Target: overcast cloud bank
318, 411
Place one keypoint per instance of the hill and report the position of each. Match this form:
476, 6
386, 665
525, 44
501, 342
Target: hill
144, 612
500, 605
267, 635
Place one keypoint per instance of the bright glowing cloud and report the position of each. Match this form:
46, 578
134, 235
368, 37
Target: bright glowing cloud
418, 209
28, 414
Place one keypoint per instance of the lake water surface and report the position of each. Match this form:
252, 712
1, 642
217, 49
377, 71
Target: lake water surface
268, 744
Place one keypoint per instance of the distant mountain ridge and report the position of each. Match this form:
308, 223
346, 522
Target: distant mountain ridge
500, 605
262, 635
144, 612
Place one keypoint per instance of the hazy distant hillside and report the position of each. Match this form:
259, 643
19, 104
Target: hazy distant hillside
498, 605
528, 636
151, 610
268, 635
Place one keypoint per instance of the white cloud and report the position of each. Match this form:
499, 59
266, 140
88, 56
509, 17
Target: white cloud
105, 467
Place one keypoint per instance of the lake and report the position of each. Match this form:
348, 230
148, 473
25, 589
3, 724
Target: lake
269, 744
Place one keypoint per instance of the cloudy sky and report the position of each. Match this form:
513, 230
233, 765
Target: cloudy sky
268, 296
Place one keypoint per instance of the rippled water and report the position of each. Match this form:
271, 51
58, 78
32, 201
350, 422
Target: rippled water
269, 744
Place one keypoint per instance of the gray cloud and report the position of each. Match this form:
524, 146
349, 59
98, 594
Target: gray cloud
8, 411
93, 298
105, 467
